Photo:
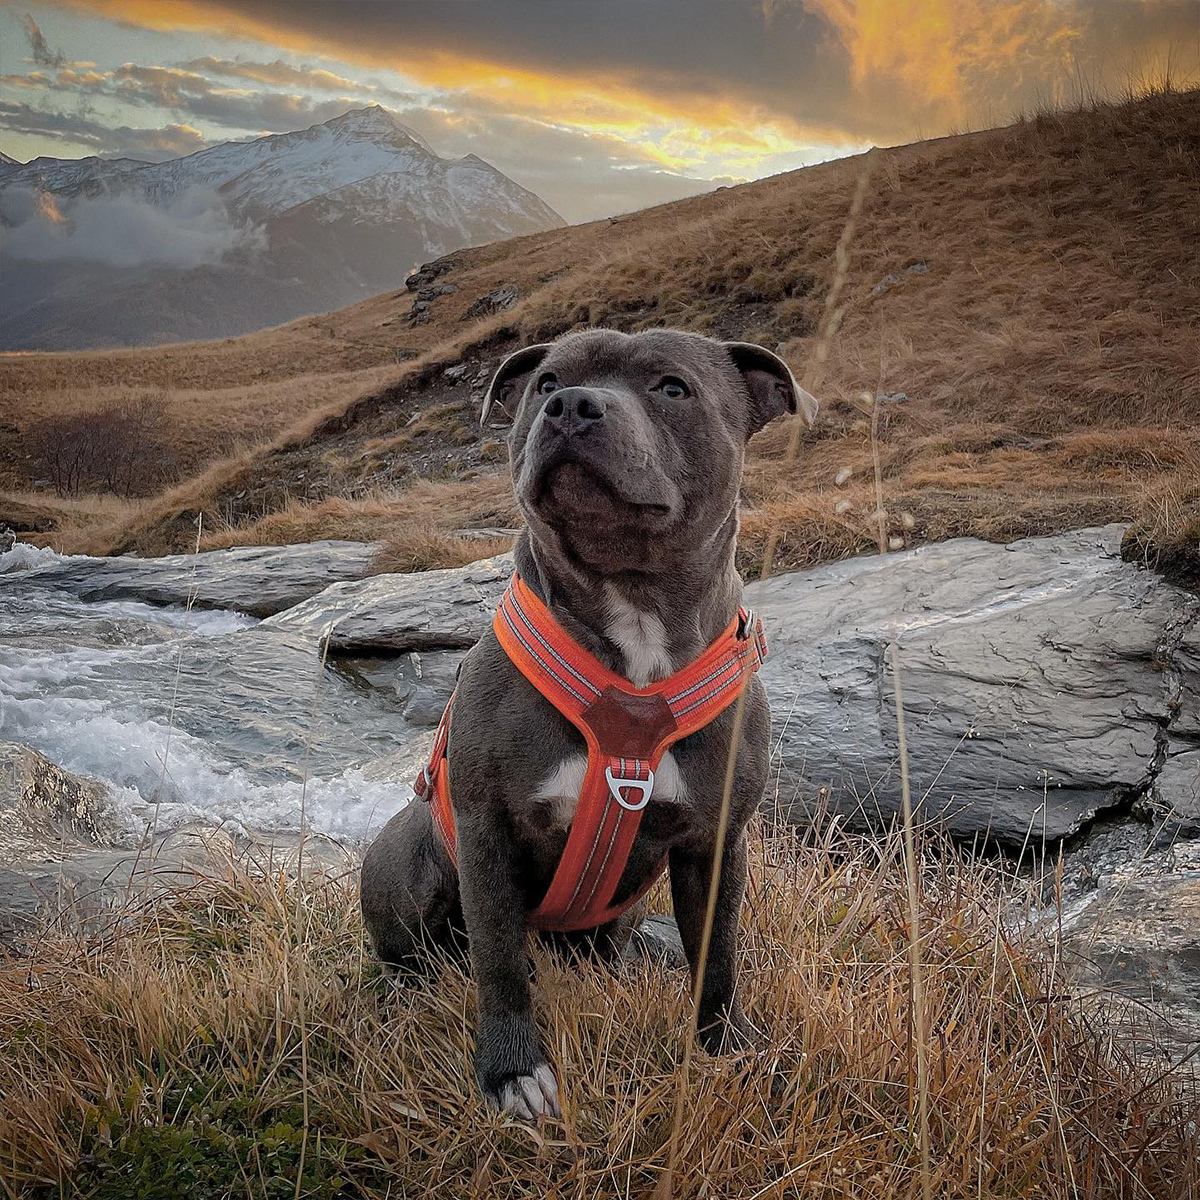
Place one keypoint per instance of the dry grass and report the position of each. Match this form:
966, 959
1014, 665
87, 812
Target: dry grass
166, 1058
420, 527
1166, 535
1032, 291
205, 420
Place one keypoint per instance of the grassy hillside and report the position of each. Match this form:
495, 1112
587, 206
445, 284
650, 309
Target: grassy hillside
1024, 302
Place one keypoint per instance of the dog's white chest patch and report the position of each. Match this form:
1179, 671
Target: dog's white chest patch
641, 636
563, 785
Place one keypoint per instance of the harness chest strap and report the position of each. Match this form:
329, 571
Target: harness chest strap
627, 731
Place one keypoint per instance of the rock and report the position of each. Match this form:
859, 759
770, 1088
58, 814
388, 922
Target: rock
459, 372
657, 940
1179, 779
1044, 682
1036, 676
85, 885
486, 533
41, 805
917, 268
433, 290
8, 539
27, 517
886, 282
494, 302
420, 683
426, 610
1137, 937
259, 580
891, 398
427, 273
62, 852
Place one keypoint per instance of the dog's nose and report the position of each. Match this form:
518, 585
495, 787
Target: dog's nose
573, 409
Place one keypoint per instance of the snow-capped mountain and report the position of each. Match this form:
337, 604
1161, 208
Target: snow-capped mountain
281, 226
61, 174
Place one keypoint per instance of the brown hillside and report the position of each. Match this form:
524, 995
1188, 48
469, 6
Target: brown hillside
1025, 301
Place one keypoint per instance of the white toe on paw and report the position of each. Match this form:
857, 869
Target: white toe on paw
531, 1096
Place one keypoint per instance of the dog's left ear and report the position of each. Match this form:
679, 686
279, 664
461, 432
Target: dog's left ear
504, 392
772, 388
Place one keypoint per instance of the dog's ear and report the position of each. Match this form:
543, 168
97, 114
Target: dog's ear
504, 392
772, 388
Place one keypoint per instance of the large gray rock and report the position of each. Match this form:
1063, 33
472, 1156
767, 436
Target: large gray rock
259, 580
423, 611
1044, 682
1041, 681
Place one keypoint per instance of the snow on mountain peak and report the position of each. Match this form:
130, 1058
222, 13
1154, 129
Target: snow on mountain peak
375, 121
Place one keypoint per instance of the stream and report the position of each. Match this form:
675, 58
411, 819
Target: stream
197, 716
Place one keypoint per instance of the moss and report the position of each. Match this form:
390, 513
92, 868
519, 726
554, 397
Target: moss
211, 1143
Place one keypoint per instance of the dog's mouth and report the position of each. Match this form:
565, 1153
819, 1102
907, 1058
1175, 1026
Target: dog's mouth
577, 488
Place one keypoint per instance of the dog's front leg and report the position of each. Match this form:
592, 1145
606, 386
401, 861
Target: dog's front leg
510, 1064
720, 1022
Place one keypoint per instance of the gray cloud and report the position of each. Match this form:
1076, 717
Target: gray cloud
634, 97
39, 51
282, 74
583, 176
169, 141
196, 95
122, 230
191, 94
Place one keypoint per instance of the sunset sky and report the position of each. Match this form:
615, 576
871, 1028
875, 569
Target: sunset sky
599, 106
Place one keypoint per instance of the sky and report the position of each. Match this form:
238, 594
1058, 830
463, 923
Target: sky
599, 106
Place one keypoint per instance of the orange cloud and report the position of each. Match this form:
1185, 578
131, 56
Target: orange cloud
614, 101
961, 56
884, 71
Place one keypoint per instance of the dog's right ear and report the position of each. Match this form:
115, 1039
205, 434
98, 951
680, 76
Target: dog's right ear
504, 392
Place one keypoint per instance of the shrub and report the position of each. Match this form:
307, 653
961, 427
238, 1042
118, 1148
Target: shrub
118, 448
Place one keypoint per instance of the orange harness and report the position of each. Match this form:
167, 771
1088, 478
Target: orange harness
627, 730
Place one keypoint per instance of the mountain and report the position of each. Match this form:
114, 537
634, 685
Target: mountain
239, 236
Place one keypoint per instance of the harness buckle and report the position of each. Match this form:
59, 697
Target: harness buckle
642, 786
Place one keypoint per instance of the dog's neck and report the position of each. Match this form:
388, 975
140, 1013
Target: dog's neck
645, 625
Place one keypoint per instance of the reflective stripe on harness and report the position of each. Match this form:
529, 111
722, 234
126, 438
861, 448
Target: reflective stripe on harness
627, 730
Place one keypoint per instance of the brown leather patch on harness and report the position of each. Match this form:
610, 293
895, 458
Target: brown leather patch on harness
627, 724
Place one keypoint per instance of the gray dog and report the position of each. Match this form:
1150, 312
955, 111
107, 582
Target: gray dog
626, 457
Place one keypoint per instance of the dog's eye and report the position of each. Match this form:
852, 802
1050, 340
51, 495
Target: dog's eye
547, 384
672, 388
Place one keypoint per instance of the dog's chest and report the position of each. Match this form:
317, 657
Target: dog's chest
562, 786
642, 640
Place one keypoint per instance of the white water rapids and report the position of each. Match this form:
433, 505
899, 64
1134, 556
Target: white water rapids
195, 715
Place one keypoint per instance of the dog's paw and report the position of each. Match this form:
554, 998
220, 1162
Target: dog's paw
729, 1034
530, 1096
512, 1071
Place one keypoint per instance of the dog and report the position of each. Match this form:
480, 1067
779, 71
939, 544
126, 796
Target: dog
626, 455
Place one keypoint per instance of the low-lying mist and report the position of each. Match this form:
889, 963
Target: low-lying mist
193, 229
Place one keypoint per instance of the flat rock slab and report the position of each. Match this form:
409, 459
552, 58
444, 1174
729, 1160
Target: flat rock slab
259, 580
423, 611
1043, 681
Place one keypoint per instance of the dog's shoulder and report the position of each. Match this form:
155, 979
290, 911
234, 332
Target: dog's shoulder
502, 728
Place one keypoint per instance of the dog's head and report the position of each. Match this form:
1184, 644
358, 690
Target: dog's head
629, 448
